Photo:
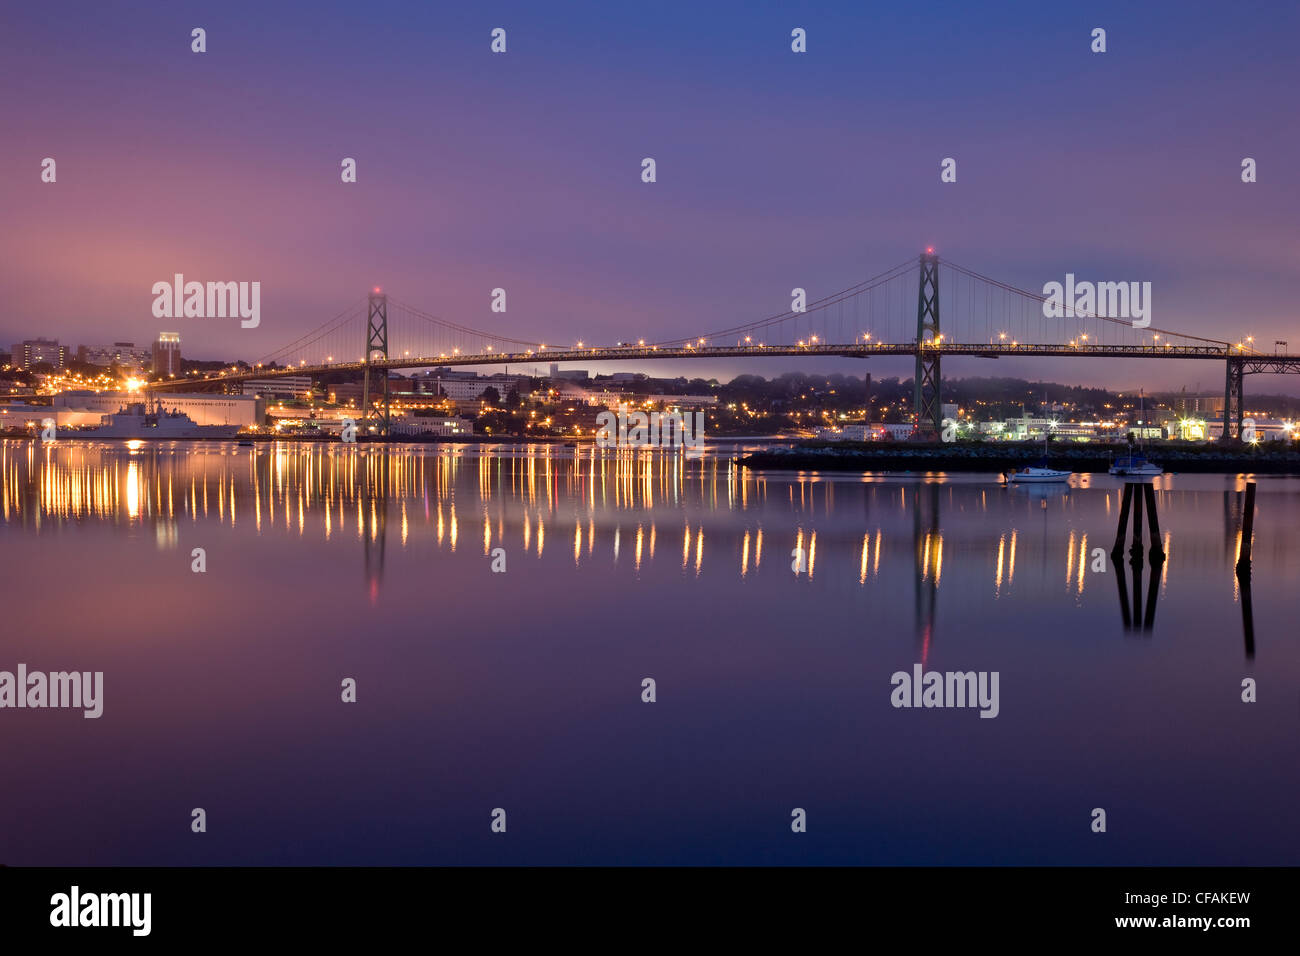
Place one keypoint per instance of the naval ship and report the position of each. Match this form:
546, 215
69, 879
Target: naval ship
137, 420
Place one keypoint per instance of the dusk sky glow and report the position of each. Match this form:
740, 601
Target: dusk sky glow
522, 171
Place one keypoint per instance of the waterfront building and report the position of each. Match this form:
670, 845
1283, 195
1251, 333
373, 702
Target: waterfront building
441, 426
462, 386
850, 433
898, 431
283, 386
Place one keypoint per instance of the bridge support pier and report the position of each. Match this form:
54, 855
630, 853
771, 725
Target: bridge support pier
927, 402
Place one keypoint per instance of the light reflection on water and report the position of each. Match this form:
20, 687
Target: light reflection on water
773, 606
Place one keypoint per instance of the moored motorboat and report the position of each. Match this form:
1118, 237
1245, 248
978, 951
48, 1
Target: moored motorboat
1135, 466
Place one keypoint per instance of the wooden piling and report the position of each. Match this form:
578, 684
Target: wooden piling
1247, 616
1117, 551
1153, 520
1247, 531
1135, 549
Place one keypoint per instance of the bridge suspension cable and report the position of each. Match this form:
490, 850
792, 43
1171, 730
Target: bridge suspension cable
865, 285
490, 337
354, 310
1071, 311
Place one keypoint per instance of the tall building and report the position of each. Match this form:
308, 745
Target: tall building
167, 354
570, 374
1212, 405
35, 351
124, 354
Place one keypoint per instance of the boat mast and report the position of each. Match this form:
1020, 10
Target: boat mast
1142, 420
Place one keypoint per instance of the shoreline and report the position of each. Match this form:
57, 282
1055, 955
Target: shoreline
896, 457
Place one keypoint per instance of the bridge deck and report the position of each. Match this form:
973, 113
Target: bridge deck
1252, 361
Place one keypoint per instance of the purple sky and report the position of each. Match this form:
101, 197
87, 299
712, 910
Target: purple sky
522, 170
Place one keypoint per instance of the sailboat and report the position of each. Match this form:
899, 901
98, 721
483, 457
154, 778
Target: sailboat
1039, 474
1136, 465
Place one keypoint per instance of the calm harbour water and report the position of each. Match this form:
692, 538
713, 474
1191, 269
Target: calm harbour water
522, 690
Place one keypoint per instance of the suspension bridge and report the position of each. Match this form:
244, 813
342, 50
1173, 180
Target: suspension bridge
981, 317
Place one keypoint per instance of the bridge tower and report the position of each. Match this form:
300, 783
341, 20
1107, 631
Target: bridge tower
927, 402
1232, 400
376, 341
